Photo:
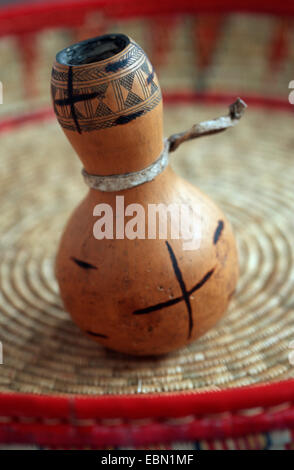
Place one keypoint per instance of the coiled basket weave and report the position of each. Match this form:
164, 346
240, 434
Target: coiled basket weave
234, 387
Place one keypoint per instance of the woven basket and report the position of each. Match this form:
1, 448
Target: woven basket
234, 387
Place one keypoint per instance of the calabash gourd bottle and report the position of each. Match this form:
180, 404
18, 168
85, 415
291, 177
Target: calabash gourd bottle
142, 296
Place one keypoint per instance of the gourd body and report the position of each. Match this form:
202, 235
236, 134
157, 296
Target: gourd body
104, 283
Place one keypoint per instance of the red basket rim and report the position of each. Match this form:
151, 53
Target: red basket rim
157, 405
31, 17
78, 421
11, 122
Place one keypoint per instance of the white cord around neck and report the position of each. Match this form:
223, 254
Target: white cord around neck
114, 183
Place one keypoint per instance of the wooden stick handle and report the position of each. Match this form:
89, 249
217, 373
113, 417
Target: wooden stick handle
236, 110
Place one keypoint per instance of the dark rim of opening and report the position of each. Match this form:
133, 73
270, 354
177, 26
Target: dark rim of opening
93, 50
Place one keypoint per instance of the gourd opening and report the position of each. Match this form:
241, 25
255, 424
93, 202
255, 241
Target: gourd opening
93, 50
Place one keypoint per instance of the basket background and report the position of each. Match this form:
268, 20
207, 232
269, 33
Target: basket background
202, 56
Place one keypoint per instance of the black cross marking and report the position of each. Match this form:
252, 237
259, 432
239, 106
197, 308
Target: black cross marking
98, 335
218, 231
74, 98
186, 293
83, 264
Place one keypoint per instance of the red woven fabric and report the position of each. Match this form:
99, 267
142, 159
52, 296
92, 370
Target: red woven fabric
86, 421
30, 17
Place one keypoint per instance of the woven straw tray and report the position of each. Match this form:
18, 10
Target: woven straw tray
57, 387
47, 358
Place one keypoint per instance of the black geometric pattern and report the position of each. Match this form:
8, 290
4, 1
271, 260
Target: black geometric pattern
94, 125
133, 54
104, 103
127, 81
102, 110
153, 87
145, 67
132, 100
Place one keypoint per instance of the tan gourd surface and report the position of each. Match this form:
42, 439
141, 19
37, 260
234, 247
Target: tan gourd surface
107, 284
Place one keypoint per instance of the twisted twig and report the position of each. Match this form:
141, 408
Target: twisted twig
220, 124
